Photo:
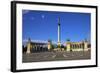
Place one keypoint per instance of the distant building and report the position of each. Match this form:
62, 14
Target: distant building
78, 46
36, 46
32, 46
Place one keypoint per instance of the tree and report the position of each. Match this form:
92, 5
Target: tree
50, 41
68, 40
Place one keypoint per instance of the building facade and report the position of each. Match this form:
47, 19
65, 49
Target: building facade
38, 46
78, 46
43, 47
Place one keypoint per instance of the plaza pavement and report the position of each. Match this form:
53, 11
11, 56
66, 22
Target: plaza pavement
56, 56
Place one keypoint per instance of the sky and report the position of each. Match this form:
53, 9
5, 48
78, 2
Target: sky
43, 25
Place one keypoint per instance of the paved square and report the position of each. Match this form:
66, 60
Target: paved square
56, 56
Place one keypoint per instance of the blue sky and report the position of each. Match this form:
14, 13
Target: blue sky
42, 25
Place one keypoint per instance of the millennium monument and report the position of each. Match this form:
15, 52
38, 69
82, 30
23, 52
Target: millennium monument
59, 35
36, 51
39, 46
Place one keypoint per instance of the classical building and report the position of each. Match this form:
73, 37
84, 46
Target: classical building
36, 46
47, 46
78, 46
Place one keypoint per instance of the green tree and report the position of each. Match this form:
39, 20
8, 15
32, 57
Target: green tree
68, 40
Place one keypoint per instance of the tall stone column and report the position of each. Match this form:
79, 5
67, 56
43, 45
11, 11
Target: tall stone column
59, 43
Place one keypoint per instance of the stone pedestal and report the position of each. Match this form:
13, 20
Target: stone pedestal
49, 46
68, 47
85, 46
28, 48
